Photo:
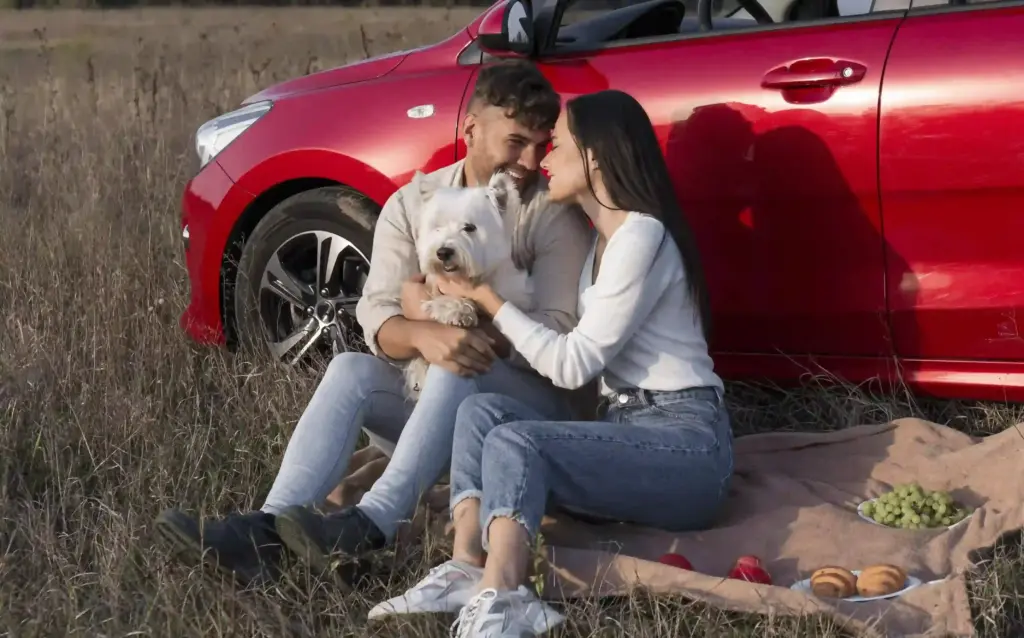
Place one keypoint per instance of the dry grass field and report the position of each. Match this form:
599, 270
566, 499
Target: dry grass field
107, 413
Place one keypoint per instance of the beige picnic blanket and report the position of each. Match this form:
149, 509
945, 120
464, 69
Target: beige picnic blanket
793, 503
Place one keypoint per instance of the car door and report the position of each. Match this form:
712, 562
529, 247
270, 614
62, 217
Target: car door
952, 179
770, 134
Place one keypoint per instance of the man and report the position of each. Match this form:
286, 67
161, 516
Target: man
510, 116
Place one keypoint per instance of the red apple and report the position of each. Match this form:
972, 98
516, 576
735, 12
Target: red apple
676, 560
750, 569
752, 561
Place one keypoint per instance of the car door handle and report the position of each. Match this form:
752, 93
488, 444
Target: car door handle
841, 73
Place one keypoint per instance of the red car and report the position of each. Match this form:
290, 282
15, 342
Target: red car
849, 166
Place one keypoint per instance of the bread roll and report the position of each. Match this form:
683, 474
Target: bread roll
833, 582
880, 580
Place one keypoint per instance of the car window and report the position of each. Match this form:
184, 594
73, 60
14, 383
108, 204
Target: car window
593, 23
854, 7
586, 23
930, 4
586, 9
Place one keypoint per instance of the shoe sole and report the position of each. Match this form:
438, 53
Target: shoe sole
292, 527
383, 613
173, 529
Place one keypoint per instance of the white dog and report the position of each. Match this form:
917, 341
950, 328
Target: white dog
461, 230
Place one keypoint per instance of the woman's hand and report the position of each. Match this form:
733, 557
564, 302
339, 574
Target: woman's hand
458, 286
481, 294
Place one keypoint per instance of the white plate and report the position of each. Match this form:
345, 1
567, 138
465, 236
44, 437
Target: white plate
860, 512
805, 587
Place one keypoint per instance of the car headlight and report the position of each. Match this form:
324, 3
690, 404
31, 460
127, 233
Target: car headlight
215, 135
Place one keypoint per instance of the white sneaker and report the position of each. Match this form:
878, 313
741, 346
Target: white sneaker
505, 614
445, 589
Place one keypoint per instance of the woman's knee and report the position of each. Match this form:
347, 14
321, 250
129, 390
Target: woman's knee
508, 444
474, 419
478, 414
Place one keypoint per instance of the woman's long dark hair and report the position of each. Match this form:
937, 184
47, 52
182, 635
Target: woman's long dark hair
614, 126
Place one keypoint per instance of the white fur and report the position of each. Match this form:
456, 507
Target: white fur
481, 255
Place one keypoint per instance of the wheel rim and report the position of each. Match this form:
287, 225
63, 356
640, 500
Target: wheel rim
308, 294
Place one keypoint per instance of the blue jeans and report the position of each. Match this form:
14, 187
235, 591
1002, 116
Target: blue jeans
662, 461
362, 392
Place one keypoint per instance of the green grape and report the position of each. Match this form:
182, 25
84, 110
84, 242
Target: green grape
911, 506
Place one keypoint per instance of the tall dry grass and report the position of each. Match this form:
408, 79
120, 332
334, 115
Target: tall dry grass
108, 414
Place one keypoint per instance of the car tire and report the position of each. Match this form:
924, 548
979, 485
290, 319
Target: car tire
277, 269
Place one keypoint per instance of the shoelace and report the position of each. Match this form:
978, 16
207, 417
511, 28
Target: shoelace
467, 615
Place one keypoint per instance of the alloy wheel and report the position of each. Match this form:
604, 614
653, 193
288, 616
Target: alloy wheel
308, 294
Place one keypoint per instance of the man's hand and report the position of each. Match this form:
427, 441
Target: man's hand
414, 293
464, 352
500, 343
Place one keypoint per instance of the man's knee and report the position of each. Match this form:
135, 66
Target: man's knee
352, 367
442, 380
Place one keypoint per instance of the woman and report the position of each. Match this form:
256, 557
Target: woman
660, 456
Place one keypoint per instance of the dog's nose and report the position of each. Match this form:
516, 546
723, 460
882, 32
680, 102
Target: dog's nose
445, 253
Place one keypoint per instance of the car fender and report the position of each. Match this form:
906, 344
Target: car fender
316, 163
369, 136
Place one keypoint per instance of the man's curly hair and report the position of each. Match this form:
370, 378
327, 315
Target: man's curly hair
521, 90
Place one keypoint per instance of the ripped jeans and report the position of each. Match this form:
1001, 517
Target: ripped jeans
657, 459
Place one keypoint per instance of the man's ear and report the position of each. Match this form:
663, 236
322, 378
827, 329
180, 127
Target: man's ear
469, 128
503, 192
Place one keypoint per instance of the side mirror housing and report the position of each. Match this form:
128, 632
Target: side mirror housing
508, 28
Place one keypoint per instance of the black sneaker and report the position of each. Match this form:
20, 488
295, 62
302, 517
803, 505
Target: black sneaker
245, 546
314, 537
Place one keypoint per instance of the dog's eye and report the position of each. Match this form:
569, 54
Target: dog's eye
469, 228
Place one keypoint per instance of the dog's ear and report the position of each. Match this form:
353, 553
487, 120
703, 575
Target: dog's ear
423, 186
503, 192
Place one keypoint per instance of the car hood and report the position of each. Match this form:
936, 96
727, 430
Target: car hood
369, 69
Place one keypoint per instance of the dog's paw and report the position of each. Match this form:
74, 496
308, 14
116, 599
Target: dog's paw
452, 311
